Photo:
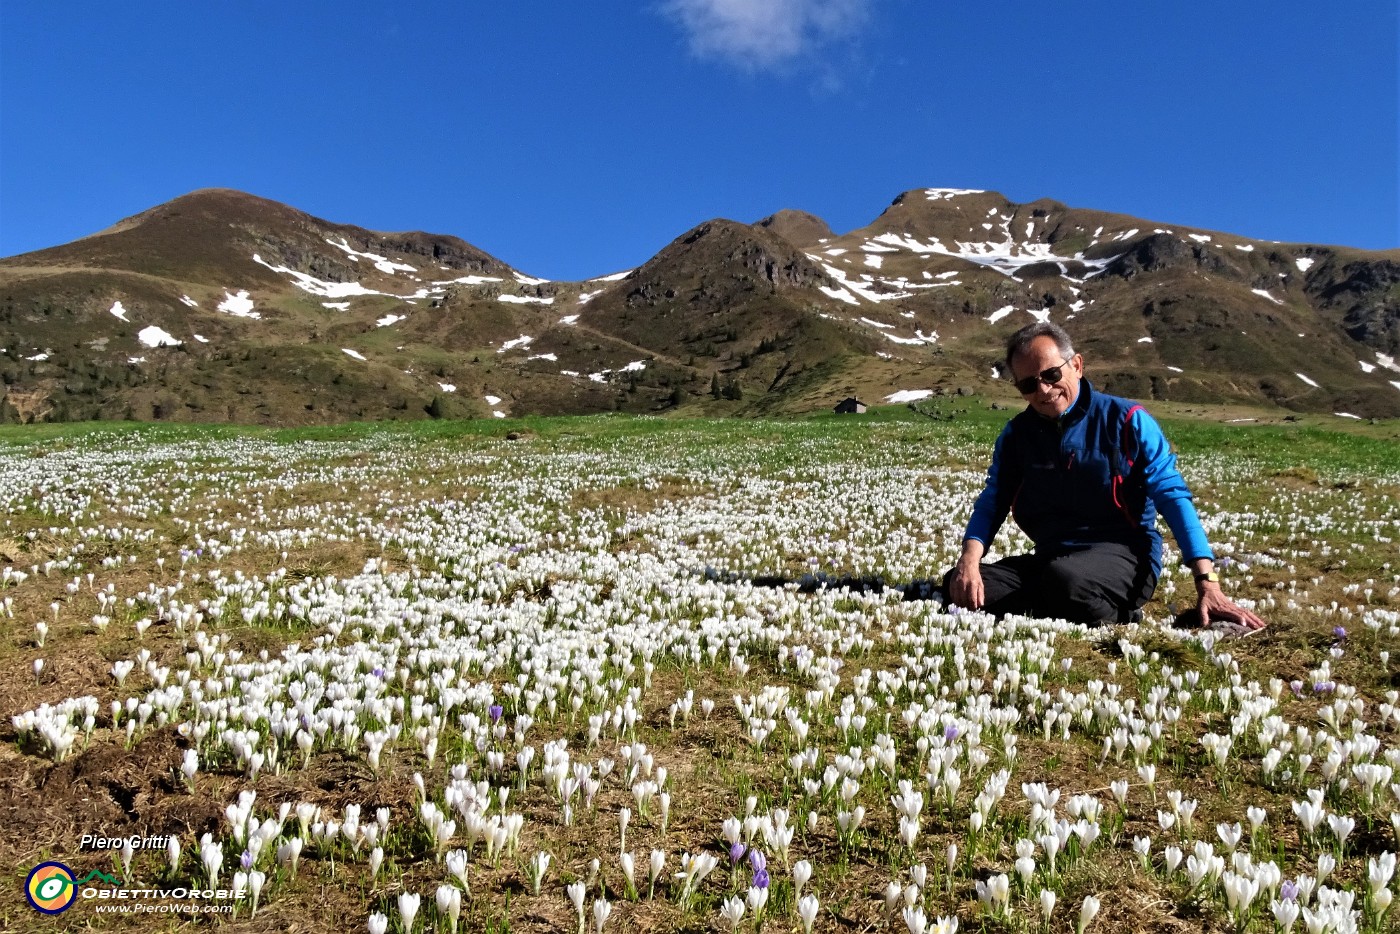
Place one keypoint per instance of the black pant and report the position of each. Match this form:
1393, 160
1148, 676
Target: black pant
1094, 584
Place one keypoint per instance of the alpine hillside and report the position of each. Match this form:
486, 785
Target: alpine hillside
220, 306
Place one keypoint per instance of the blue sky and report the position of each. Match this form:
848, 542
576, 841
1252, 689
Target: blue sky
574, 139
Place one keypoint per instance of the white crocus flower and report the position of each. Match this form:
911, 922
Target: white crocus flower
1088, 910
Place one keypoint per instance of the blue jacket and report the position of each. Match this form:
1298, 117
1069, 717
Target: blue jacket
1099, 473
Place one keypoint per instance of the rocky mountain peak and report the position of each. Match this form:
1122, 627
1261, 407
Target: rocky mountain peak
797, 227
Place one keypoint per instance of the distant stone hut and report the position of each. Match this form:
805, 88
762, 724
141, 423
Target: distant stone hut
850, 405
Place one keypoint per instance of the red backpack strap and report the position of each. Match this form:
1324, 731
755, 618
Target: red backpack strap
1126, 434
1120, 475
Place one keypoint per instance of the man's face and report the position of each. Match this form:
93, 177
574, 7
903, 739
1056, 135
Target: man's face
1051, 400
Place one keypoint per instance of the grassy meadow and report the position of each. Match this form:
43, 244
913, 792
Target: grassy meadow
513, 675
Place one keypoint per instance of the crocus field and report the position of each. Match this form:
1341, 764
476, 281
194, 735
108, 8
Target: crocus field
437, 677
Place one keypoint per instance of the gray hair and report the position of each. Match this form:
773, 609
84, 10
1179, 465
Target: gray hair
1020, 342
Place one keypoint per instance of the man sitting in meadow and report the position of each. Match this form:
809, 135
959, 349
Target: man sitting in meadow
1084, 474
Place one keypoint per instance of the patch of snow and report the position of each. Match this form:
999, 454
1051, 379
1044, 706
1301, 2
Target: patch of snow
1366, 367
529, 280
1077, 306
834, 251
499, 414
338, 306
492, 400
468, 280
352, 353
240, 305
1245, 247
135, 359
387, 320
1395, 383
383, 264
842, 294
543, 356
1307, 380
908, 395
157, 337
317, 286
1000, 313
1387, 362
186, 300
569, 372
1262, 293
884, 356
874, 261
201, 338
568, 319
1041, 314
39, 357
521, 341
1234, 421
945, 275
584, 299
946, 194
1175, 369
1201, 238
1144, 340
1347, 415
634, 366
118, 311
1006, 256
1305, 263
861, 288
527, 300
447, 387
1127, 234
615, 277
905, 340
875, 324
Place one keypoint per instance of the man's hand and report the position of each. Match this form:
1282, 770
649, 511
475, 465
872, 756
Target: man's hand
966, 582
1215, 605
1212, 604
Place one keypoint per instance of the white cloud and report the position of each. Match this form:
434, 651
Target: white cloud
763, 33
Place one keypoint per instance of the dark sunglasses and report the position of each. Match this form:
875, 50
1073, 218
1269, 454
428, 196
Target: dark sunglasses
1049, 377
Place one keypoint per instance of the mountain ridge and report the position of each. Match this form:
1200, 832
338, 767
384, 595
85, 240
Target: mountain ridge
223, 306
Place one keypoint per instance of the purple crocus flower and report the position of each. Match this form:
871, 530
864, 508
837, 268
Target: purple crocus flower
736, 852
378, 672
758, 861
1297, 687
1323, 687
1340, 632
760, 879
950, 732
1288, 891
246, 860
496, 711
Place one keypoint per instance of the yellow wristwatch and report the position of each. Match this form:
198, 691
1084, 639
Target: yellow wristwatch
1211, 576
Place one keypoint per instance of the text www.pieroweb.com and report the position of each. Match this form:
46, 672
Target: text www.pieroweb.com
169, 908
